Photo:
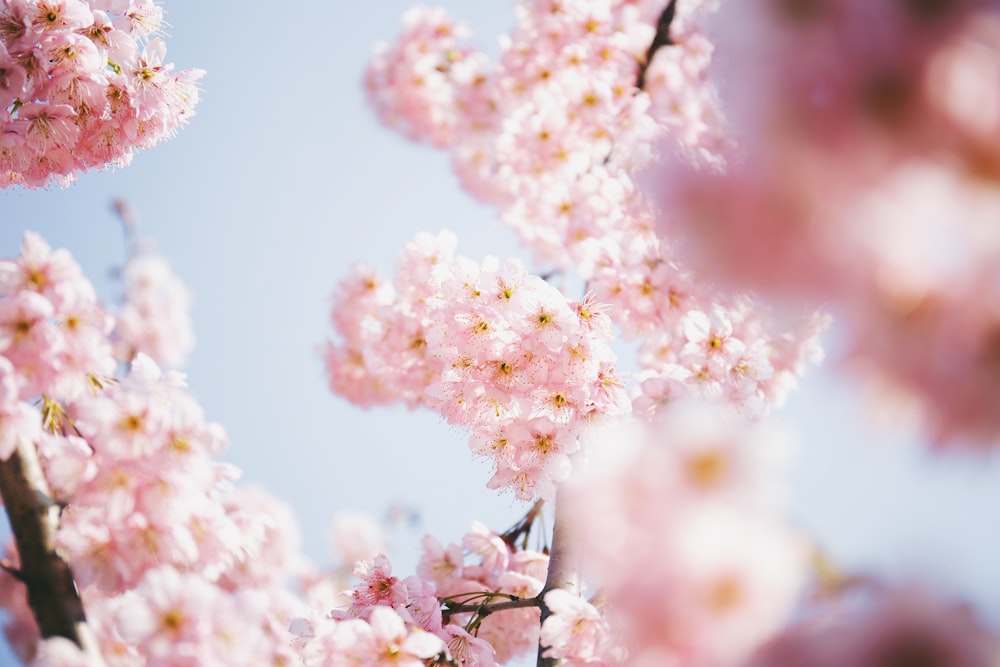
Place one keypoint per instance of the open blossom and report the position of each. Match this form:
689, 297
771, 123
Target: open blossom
490, 347
167, 609
392, 644
378, 585
181, 618
83, 84
467, 650
575, 630
382, 641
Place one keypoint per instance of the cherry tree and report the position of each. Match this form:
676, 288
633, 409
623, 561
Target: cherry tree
704, 181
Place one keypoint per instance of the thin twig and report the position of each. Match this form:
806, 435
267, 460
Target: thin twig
522, 528
492, 607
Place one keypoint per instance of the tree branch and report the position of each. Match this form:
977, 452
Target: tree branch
522, 529
34, 519
491, 607
662, 38
562, 574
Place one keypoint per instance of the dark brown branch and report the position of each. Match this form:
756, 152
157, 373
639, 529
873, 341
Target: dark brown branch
662, 38
486, 609
521, 529
34, 518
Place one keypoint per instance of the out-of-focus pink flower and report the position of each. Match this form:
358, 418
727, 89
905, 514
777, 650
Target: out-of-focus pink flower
61, 652
865, 176
154, 318
895, 626
356, 536
710, 570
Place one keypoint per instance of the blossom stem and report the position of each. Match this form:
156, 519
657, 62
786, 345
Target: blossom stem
34, 519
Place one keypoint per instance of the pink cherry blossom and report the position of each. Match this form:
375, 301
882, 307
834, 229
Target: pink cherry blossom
467, 650
97, 88
489, 347
575, 628
555, 132
864, 175
378, 584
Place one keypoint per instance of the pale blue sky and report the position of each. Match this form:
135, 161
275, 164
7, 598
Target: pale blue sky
284, 179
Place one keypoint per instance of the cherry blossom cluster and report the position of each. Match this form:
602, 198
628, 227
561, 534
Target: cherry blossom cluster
143, 446
499, 570
382, 616
551, 130
176, 566
433, 615
866, 176
383, 639
712, 570
492, 348
389, 621
556, 133
83, 84
385, 619
171, 563
154, 316
727, 354
413, 84
53, 331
